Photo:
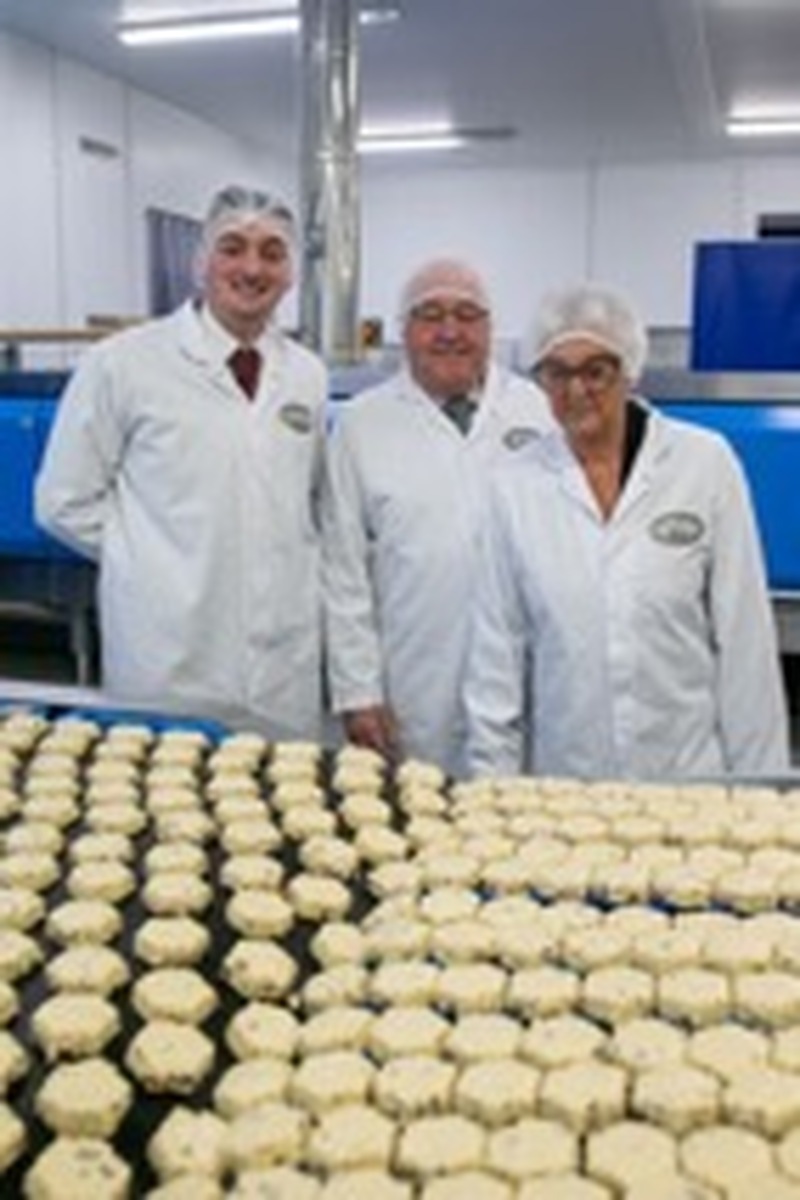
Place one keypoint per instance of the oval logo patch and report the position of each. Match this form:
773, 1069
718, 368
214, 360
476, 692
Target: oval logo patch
677, 529
519, 436
297, 417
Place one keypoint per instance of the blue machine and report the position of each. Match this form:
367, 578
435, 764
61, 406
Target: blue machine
758, 414
746, 306
37, 573
766, 436
27, 405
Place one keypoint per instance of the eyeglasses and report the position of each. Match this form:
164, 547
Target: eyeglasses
464, 313
595, 374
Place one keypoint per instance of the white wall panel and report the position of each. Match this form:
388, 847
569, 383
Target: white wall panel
31, 274
94, 168
768, 186
72, 225
179, 162
525, 231
646, 221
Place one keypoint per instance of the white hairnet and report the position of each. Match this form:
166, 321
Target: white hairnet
443, 278
235, 205
591, 311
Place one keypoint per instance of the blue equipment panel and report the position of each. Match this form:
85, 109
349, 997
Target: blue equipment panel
25, 422
159, 722
765, 434
746, 306
766, 437
36, 569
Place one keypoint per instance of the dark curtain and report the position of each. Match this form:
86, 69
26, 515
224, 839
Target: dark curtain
171, 243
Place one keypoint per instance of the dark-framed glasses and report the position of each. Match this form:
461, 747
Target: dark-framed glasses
463, 312
596, 374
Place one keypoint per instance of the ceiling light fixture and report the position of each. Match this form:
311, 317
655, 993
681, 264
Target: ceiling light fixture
270, 23
764, 119
434, 135
763, 126
395, 145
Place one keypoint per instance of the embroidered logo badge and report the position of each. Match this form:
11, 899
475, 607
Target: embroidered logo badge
297, 417
519, 436
677, 528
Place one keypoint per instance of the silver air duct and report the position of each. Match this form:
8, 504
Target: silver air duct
329, 178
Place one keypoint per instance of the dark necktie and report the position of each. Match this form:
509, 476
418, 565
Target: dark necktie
460, 410
245, 363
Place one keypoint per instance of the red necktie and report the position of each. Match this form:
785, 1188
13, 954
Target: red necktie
245, 363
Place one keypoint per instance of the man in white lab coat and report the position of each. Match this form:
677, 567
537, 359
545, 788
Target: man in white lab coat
622, 622
190, 477
407, 467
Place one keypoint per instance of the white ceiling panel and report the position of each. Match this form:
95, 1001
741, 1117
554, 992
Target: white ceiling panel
755, 54
580, 81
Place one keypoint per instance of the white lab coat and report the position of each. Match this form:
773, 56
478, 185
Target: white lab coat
199, 508
647, 641
400, 521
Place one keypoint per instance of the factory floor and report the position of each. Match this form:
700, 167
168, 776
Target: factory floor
35, 649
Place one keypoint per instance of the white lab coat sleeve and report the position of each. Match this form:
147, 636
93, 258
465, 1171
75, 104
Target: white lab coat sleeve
353, 652
751, 700
75, 484
495, 673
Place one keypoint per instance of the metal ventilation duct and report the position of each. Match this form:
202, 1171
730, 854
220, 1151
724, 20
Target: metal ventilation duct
329, 178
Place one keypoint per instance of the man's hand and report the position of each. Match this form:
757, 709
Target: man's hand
374, 728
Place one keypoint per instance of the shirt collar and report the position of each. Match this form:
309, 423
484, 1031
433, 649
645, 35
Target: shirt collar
220, 342
474, 395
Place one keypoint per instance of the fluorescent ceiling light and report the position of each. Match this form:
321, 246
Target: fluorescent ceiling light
764, 127
395, 145
761, 118
165, 33
433, 135
763, 110
271, 23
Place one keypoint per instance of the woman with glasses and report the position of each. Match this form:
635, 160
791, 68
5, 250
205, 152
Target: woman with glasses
622, 625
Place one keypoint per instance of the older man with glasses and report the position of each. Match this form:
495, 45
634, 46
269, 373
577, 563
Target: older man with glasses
622, 622
408, 463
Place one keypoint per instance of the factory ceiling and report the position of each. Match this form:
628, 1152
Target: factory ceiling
578, 81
